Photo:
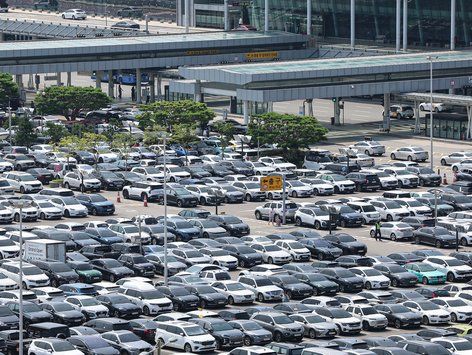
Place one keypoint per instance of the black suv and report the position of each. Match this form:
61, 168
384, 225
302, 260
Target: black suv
365, 181
138, 263
342, 168
58, 272
427, 176
180, 197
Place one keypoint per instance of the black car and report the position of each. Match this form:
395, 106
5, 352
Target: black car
98, 251
92, 345
225, 335
347, 243
126, 248
81, 239
64, 313
237, 167
58, 272
399, 316
180, 197
209, 296
11, 338
41, 160
8, 320
320, 283
365, 181
138, 263
398, 275
217, 170
419, 221
181, 298
443, 209
293, 288
458, 201
173, 265
41, 174
128, 177
182, 229
234, 225
403, 258
156, 232
104, 235
346, 280
427, 176
96, 204
109, 180
119, 305
103, 325
197, 171
348, 261
321, 249
437, 236
111, 269
342, 168
433, 292
32, 313
145, 329
83, 157
345, 215
463, 187
247, 256
464, 256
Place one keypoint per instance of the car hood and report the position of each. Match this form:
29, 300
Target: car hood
105, 351
408, 315
269, 288
188, 230
103, 204
140, 344
121, 270
405, 275
355, 244
352, 215
70, 314
234, 333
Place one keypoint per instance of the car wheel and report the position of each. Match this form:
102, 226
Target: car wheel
365, 325
42, 216
278, 337
187, 348
176, 306
179, 203
206, 235
202, 304
25, 286
410, 158
294, 194
82, 188
125, 194
320, 256
343, 223
270, 196
94, 212
451, 277
247, 341
455, 169
389, 218
317, 225
366, 152
443, 162
112, 278
338, 330
358, 188
146, 311
453, 317
22, 189
392, 156
312, 334
464, 242
395, 283
66, 213
436, 109
203, 201
424, 281
242, 263
17, 217
372, 234
425, 320
438, 244
66, 185
417, 240
398, 324
248, 198
270, 261
315, 291
315, 192
258, 215
368, 285
393, 237
63, 16
123, 352
54, 283
230, 300
260, 297
341, 288
298, 222
289, 295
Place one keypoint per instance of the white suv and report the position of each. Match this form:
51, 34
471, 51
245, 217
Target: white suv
278, 163
23, 182
152, 191
454, 269
390, 210
147, 297
32, 275
368, 212
298, 251
184, 336
370, 318
74, 180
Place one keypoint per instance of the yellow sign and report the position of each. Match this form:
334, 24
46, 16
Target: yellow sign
271, 183
262, 55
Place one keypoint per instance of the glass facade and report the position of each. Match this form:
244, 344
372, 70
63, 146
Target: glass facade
428, 20
449, 126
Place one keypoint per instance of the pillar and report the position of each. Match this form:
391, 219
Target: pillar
405, 25
416, 109
152, 87
138, 84
187, 17
246, 111
353, 23
308, 17
469, 123
386, 117
58, 79
453, 25
2, 37
337, 113
398, 26
159, 87
465, 21
111, 84
376, 18
266, 15
69, 78
30, 81
198, 91
98, 79
310, 107
226, 15
419, 16
19, 80
270, 106
335, 19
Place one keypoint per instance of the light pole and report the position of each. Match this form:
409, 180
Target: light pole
9, 119
431, 58
20, 204
166, 271
436, 192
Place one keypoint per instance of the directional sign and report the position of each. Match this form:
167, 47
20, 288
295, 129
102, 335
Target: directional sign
271, 183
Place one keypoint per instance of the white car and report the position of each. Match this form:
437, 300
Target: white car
33, 276
235, 291
387, 181
340, 183
464, 164
394, 230
61, 157
145, 190
460, 311
81, 182
5, 165
370, 318
70, 206
313, 217
23, 182
260, 168
431, 312
41, 148
149, 173
278, 163
7, 283
264, 270
262, 212
272, 254
455, 157
390, 210
208, 228
88, 305
297, 251
369, 147
103, 155
361, 159
47, 293
174, 173
344, 320
296, 188
205, 194
147, 297
455, 269
373, 279
8, 248
159, 149
74, 14
410, 154
263, 288
52, 347
185, 336
131, 234
252, 190
437, 107
368, 212
232, 156
211, 159
220, 257
6, 213
29, 213
320, 187
416, 208
456, 345
404, 177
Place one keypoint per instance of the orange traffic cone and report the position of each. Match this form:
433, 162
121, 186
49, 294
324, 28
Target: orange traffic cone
145, 204
118, 198
444, 179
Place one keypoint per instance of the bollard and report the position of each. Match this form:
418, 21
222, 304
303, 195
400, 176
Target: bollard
444, 179
118, 198
145, 202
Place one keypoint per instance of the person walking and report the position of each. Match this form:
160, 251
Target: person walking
378, 234
120, 92
133, 94
271, 215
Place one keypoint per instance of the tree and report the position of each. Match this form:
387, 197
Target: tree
69, 101
8, 90
56, 132
25, 134
170, 113
153, 135
226, 131
184, 134
124, 142
86, 142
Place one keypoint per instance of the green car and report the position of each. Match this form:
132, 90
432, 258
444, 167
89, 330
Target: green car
86, 273
426, 274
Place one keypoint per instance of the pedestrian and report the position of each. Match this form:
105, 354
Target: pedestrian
120, 92
378, 234
271, 215
133, 94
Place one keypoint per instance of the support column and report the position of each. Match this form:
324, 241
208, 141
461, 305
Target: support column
138, 85
2, 37
246, 111
111, 84
335, 19
453, 25
159, 87
19, 80
98, 79
187, 18
386, 117
376, 18
465, 21
58, 79
266, 15
198, 91
308, 17
353, 23
30, 81
337, 113
398, 26
469, 123
226, 15
270, 106
416, 109
405, 25
152, 87
309, 103
419, 16
69, 78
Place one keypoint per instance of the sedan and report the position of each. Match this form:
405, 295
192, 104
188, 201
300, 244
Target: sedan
394, 231
111, 269
436, 236
254, 334
400, 316
410, 154
119, 305
426, 274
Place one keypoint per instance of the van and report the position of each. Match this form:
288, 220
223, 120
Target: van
48, 330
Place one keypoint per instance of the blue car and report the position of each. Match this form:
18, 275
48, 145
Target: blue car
104, 236
96, 204
78, 288
181, 151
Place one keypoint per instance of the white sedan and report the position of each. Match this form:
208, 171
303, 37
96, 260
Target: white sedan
409, 153
278, 163
272, 254
394, 230
373, 279
369, 147
296, 188
464, 164
455, 157
437, 107
320, 187
74, 14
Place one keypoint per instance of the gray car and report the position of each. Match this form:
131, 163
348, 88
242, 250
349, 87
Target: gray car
226, 336
314, 325
282, 327
254, 334
127, 342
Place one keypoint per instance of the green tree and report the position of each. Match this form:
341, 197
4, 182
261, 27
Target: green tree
56, 132
124, 142
184, 134
69, 101
226, 131
8, 89
25, 134
170, 113
88, 141
153, 135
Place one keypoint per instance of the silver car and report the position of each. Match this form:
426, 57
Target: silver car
410, 153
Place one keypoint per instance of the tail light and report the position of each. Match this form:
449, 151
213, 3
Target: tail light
149, 331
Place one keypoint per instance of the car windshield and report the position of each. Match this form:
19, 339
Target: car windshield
398, 308
209, 224
344, 273
139, 260
152, 294
392, 205
340, 313
368, 311
194, 331
63, 307
183, 224
456, 303
346, 238
372, 272
462, 199
426, 268
235, 287
337, 177
131, 229
296, 183
463, 345
252, 185
45, 204
6, 243
152, 170
320, 243
221, 326
87, 302
272, 248
60, 268
193, 254
263, 282
346, 209
204, 290
454, 262
96, 343
97, 198
31, 307
83, 267
32, 270
396, 269
63, 346
429, 306
414, 203
69, 201
232, 220
129, 338
282, 320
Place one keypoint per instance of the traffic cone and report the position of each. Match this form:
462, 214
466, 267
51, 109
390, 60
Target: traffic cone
444, 179
118, 198
145, 204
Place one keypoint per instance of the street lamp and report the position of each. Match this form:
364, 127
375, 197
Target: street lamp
431, 58
436, 192
163, 135
9, 119
20, 204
